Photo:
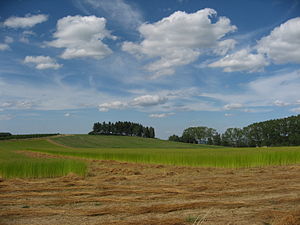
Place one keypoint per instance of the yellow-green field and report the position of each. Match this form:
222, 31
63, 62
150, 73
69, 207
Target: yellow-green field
129, 149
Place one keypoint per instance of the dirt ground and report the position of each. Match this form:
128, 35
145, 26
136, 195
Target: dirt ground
127, 193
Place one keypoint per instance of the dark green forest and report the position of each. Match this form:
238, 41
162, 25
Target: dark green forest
278, 132
123, 128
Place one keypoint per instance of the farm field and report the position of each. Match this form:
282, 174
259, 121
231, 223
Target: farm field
125, 180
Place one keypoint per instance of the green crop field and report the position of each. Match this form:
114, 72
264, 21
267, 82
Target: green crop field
97, 141
13, 164
130, 149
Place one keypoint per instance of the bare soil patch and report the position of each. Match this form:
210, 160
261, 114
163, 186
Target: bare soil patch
127, 193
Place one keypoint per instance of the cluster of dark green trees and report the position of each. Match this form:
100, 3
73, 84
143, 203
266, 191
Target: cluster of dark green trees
123, 128
279, 132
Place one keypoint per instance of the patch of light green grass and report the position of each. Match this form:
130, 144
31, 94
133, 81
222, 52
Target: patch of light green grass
200, 157
33, 168
218, 157
15, 165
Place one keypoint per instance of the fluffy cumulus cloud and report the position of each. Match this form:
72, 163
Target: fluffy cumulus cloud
283, 43
82, 36
160, 115
25, 22
141, 101
148, 100
242, 60
42, 62
179, 39
112, 105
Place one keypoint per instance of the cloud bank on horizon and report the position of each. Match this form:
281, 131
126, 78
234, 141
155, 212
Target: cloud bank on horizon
114, 56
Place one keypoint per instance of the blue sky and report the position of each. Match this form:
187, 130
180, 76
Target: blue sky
168, 64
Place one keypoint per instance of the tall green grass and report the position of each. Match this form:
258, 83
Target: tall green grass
13, 164
193, 156
203, 157
32, 168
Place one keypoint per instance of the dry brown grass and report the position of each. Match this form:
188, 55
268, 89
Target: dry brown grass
127, 193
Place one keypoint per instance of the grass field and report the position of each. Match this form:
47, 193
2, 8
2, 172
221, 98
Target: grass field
245, 191
96, 141
130, 149
14, 164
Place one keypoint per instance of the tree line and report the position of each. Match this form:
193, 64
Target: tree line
278, 132
123, 128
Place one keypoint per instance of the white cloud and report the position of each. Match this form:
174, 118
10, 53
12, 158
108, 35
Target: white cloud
256, 110
6, 117
118, 10
241, 60
5, 104
141, 101
112, 105
160, 115
296, 110
224, 46
233, 106
42, 62
48, 96
82, 36
25, 36
148, 100
25, 22
283, 86
20, 104
4, 47
265, 91
179, 39
283, 43
281, 103
8, 40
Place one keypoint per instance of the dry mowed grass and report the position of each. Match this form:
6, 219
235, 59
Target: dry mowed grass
129, 193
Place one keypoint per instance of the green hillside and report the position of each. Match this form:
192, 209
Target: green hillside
104, 141
14, 163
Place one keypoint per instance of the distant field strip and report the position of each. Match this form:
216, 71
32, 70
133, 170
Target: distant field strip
99, 141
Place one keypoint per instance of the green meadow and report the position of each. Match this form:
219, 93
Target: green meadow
129, 149
14, 164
